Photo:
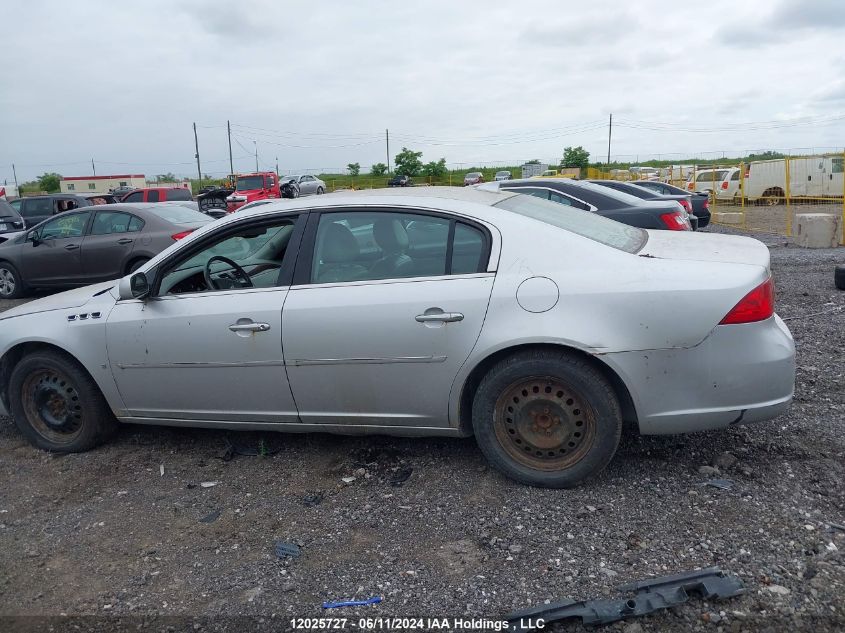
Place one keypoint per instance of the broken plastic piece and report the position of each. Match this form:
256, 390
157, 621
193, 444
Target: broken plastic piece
721, 484
352, 603
287, 549
650, 595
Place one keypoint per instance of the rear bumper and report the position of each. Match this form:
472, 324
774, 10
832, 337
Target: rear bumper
738, 374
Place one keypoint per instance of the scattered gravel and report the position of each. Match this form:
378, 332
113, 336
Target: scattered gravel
428, 526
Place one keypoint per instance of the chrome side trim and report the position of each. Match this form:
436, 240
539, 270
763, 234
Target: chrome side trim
298, 362
254, 363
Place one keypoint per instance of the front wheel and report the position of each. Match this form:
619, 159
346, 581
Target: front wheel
56, 405
546, 418
320, 191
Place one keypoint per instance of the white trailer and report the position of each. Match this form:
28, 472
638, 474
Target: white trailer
809, 177
529, 170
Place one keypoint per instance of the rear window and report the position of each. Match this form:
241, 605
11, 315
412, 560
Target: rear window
179, 215
610, 192
707, 176
602, 230
178, 194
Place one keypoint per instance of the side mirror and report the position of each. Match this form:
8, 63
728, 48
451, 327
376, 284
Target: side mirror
136, 286
33, 237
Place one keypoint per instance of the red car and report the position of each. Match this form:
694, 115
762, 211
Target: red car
473, 178
158, 194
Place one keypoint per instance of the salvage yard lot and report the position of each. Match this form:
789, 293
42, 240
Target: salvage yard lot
129, 531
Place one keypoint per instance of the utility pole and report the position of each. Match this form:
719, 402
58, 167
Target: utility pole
94, 169
197, 147
256, 155
229, 132
387, 142
277, 165
609, 132
15, 174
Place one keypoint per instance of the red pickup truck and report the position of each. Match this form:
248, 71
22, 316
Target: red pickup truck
251, 187
158, 194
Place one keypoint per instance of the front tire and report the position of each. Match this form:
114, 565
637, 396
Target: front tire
57, 406
546, 418
11, 283
320, 191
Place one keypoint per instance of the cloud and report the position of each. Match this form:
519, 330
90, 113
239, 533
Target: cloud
782, 23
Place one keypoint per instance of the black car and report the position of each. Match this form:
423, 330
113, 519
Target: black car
622, 207
648, 194
700, 200
100, 198
38, 208
400, 180
10, 220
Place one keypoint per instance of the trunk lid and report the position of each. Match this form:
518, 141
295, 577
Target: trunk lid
706, 247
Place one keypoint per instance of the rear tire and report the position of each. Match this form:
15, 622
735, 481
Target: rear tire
57, 406
135, 265
12, 285
839, 276
546, 418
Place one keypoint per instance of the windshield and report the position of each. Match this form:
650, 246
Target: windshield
473, 174
177, 214
246, 183
602, 230
502, 173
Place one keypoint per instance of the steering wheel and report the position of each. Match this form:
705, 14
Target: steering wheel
239, 272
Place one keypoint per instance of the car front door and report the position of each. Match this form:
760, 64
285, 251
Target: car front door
108, 244
306, 185
52, 252
210, 353
386, 307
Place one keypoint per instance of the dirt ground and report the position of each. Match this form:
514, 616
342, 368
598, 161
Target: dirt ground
175, 530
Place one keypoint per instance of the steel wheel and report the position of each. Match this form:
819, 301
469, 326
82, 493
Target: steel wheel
52, 406
8, 282
544, 424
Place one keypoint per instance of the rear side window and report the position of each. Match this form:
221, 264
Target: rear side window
178, 194
153, 195
709, 176
135, 224
108, 222
614, 234
735, 175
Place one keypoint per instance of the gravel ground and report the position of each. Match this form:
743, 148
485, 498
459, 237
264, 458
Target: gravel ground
774, 219
133, 535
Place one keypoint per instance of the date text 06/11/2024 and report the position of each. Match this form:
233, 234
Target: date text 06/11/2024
404, 624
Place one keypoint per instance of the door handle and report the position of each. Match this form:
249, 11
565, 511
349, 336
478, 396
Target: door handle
440, 317
71, 247
249, 327
124, 240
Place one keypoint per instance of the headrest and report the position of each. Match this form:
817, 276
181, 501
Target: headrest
390, 235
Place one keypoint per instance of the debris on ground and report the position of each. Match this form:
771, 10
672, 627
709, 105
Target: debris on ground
352, 603
287, 550
208, 484
650, 595
211, 517
313, 499
721, 484
401, 476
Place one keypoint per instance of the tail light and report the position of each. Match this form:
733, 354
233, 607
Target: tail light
690, 186
182, 234
674, 221
686, 205
724, 184
757, 305
707, 204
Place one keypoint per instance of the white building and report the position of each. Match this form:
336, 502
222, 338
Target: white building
100, 184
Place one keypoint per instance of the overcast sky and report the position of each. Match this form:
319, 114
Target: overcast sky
316, 84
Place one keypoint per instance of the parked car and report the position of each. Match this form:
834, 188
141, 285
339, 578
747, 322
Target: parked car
91, 244
502, 175
119, 192
705, 180
683, 199
473, 178
308, 184
10, 220
604, 201
36, 209
260, 185
700, 201
536, 327
400, 180
158, 194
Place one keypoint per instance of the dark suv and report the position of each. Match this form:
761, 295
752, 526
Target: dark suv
400, 180
10, 220
38, 208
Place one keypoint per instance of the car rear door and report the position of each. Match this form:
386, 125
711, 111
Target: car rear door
107, 245
386, 306
54, 258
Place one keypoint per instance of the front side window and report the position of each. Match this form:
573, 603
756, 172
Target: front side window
36, 207
373, 245
248, 257
179, 194
66, 225
138, 196
108, 222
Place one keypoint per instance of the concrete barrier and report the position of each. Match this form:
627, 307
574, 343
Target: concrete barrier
727, 217
816, 230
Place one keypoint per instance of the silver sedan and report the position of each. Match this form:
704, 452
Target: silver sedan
308, 184
537, 328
